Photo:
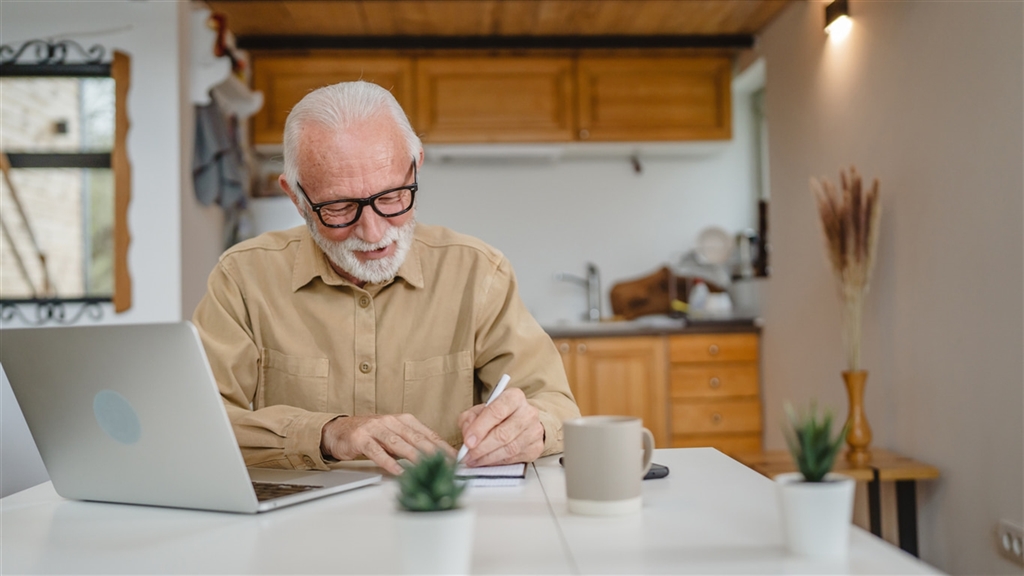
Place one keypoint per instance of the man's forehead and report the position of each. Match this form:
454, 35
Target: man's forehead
361, 143
329, 158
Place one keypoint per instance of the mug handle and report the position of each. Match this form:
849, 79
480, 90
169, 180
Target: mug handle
648, 450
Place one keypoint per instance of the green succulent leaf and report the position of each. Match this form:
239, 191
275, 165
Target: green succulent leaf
810, 441
430, 484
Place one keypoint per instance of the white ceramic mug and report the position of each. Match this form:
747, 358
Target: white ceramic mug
603, 464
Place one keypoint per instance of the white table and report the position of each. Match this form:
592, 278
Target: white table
711, 515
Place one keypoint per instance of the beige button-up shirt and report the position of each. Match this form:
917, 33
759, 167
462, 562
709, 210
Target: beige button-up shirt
293, 345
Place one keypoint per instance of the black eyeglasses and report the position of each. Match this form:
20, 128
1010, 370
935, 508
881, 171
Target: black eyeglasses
346, 212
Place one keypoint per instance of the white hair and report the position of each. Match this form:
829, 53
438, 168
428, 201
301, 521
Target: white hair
340, 106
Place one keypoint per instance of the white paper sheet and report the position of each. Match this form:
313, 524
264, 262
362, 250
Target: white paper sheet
507, 471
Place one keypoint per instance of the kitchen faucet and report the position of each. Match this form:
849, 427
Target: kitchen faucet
593, 285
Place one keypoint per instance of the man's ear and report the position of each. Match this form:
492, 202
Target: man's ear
283, 183
419, 159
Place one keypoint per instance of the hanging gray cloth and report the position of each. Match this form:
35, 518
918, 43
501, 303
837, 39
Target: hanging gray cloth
219, 172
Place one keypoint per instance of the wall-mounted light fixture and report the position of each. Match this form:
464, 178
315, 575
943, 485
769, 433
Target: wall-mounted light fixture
837, 19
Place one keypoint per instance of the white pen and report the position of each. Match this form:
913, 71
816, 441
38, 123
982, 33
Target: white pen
502, 383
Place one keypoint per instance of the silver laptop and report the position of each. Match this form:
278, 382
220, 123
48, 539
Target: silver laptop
132, 414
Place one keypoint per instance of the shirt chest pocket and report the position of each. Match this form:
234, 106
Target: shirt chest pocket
293, 381
438, 389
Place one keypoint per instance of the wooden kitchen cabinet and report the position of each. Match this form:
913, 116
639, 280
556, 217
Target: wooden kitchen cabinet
494, 99
654, 98
620, 376
544, 98
714, 391
284, 80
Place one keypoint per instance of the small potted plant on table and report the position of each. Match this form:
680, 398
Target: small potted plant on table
436, 535
817, 504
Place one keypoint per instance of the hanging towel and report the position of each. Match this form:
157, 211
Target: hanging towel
219, 172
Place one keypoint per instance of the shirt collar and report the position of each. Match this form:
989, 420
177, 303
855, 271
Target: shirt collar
311, 262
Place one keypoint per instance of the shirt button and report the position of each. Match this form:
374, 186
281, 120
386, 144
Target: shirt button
365, 367
364, 301
308, 461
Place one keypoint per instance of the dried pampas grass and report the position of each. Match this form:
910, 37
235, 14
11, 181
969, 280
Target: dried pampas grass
849, 221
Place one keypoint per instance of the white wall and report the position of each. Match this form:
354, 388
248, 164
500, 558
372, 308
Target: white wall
555, 216
148, 33
202, 238
927, 97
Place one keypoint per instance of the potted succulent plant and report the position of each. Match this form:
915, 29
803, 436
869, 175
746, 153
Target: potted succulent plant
817, 504
436, 535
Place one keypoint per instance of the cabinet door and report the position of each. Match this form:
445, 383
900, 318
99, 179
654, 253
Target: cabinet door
654, 98
565, 350
624, 376
494, 99
284, 80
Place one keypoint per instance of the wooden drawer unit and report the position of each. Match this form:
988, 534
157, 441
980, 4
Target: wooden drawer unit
714, 380
716, 417
714, 391
713, 348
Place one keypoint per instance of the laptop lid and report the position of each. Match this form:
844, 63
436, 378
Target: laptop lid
132, 414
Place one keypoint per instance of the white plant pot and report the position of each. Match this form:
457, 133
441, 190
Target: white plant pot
436, 542
816, 516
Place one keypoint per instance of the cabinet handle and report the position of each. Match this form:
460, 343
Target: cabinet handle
584, 134
581, 348
714, 382
713, 349
716, 418
563, 348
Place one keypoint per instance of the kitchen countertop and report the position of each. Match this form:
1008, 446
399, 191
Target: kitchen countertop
652, 326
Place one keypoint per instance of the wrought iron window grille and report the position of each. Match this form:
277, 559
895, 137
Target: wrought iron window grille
54, 58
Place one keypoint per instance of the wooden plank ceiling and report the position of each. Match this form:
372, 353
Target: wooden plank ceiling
495, 18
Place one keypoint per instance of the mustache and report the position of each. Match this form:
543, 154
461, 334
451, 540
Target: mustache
354, 244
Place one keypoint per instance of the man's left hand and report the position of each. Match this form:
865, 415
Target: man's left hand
506, 431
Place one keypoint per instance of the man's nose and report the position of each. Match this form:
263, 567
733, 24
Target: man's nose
371, 226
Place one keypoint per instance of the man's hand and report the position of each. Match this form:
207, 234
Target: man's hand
506, 431
383, 439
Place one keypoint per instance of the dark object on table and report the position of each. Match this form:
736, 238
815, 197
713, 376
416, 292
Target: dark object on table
656, 471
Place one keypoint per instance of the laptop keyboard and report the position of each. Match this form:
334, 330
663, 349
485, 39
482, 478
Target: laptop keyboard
271, 490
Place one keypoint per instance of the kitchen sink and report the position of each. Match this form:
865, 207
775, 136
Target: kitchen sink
641, 325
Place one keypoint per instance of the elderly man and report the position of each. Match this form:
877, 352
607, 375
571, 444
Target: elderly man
364, 334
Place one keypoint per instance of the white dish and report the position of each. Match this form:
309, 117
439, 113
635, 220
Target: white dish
714, 245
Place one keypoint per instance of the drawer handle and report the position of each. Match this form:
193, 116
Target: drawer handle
713, 349
563, 348
716, 418
581, 348
714, 382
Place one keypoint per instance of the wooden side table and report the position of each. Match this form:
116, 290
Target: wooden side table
884, 466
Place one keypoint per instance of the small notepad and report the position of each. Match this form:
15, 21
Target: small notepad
494, 482
507, 471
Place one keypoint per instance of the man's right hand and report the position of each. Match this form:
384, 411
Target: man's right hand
382, 438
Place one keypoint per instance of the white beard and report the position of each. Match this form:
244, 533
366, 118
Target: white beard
342, 254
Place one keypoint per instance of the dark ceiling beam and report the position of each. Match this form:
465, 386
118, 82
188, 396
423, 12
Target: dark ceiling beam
729, 41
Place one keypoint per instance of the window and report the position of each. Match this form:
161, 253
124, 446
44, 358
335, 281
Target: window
65, 181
